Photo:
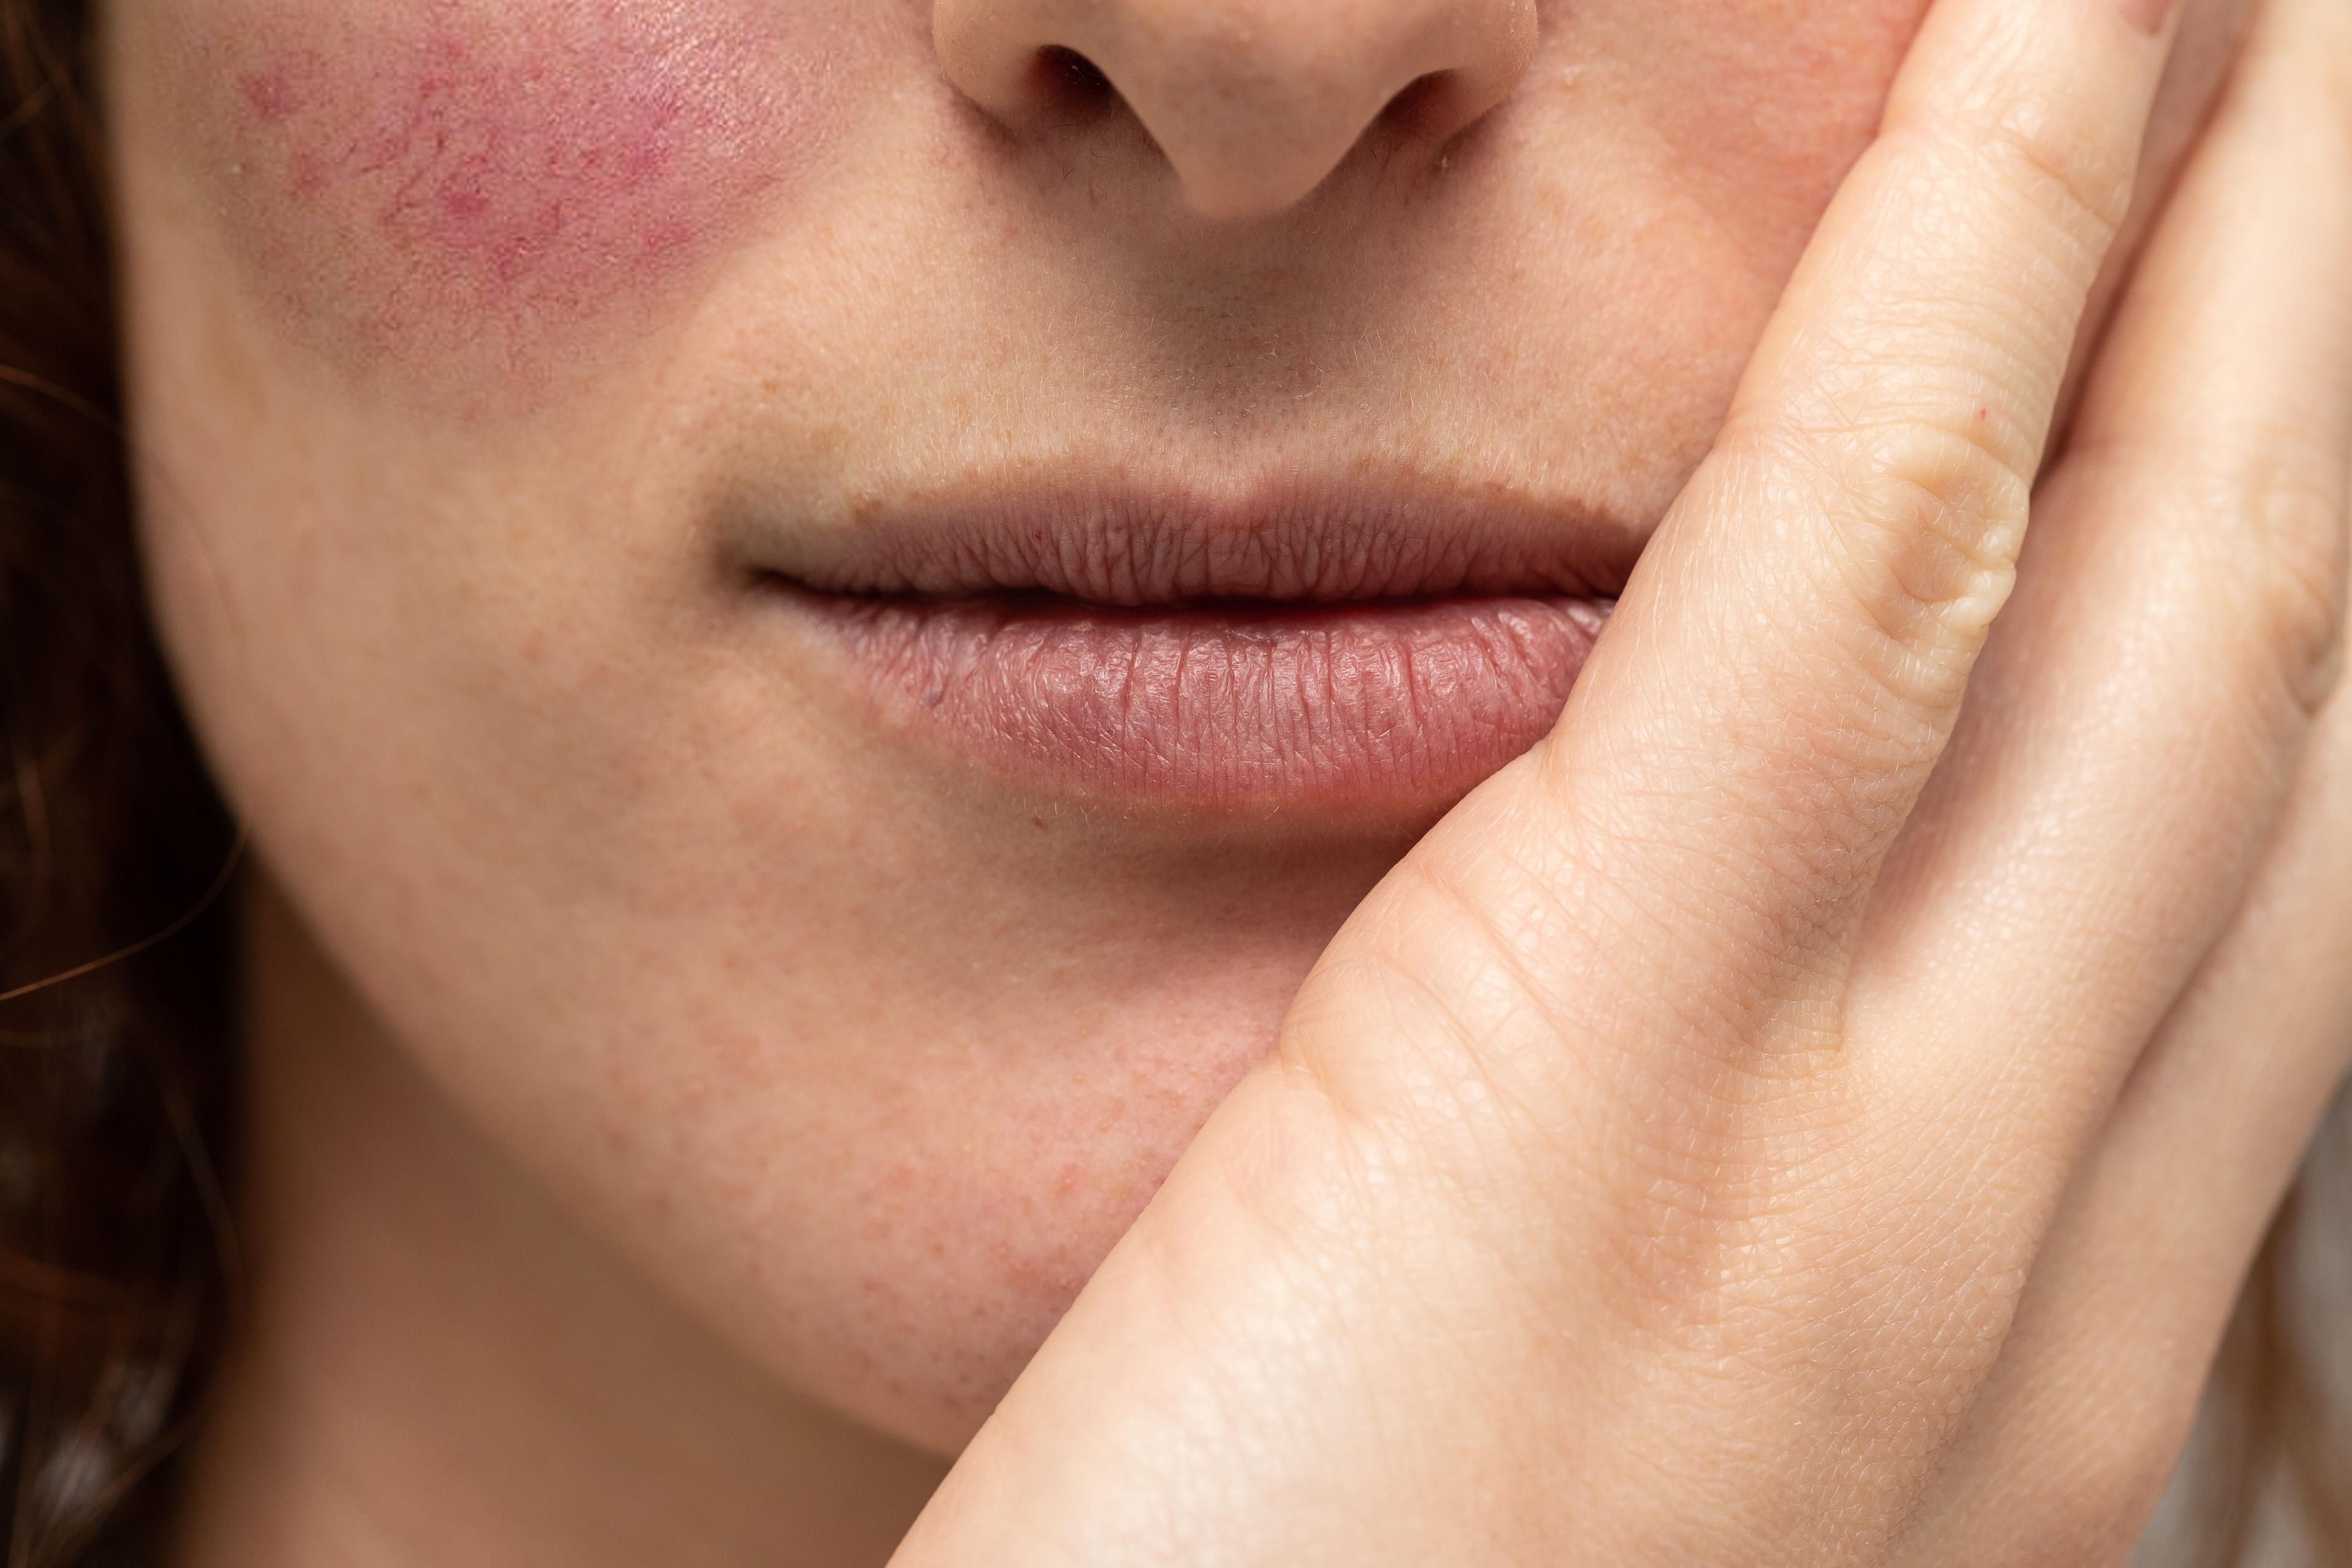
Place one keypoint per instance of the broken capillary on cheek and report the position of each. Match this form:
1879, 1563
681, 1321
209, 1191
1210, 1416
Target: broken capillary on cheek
464, 173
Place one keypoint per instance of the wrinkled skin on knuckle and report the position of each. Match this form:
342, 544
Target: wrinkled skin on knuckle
1929, 533
2294, 510
1902, 537
2084, 185
2033, 134
2263, 521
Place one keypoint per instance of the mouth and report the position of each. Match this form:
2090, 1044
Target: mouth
1366, 652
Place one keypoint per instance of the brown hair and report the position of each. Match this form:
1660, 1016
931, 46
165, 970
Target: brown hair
114, 1076
116, 1050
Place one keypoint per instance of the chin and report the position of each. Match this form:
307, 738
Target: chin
965, 1211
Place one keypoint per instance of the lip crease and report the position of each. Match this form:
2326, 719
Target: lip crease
1367, 652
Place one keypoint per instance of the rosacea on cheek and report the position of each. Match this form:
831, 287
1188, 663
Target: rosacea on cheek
428, 183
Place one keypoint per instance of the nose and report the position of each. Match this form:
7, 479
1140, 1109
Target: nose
1251, 102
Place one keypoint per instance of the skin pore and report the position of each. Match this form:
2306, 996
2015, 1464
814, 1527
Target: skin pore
663, 1067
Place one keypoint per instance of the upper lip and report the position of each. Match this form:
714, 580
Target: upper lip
1135, 545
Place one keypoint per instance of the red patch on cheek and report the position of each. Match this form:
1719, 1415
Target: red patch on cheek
473, 173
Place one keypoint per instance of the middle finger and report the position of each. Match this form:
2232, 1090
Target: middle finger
2134, 723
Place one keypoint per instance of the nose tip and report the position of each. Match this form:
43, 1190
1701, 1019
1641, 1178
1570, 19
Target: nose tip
1251, 102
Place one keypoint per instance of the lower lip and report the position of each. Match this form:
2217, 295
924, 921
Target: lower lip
1376, 706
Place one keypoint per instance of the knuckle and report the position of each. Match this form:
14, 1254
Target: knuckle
1922, 515
2298, 520
1941, 509
2277, 520
2085, 183
2027, 157
2265, 515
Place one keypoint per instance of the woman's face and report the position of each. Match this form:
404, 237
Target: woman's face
501, 365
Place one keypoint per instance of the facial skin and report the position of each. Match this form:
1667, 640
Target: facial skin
471, 338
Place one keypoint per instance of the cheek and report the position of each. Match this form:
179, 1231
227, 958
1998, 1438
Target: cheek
1772, 100
440, 179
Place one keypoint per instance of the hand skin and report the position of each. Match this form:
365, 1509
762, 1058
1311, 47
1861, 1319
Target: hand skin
1786, 1119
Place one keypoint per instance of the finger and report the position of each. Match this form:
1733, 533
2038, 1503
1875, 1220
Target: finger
2097, 1384
2136, 717
1783, 669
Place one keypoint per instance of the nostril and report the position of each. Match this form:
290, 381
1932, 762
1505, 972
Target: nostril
1423, 107
1251, 103
1068, 81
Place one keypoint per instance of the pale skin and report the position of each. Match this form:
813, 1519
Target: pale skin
1791, 1115
1712, 1171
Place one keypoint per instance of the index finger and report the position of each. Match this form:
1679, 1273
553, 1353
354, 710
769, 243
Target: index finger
1787, 663
1786, 666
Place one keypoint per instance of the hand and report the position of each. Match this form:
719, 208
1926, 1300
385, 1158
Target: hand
1788, 1117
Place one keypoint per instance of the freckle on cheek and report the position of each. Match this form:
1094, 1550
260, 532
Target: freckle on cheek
460, 174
